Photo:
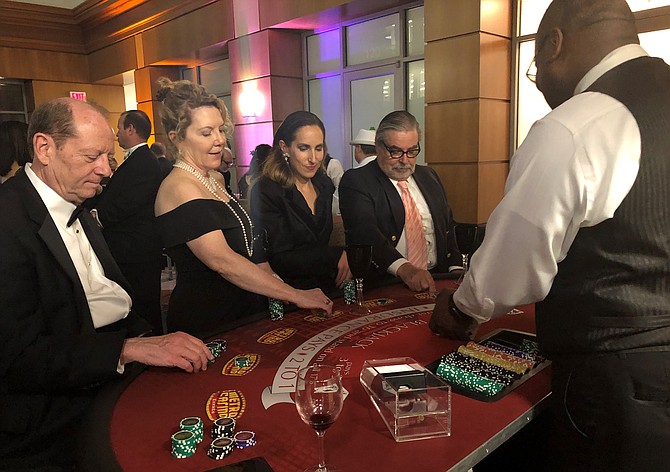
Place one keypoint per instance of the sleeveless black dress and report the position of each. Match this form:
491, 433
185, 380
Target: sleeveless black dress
203, 303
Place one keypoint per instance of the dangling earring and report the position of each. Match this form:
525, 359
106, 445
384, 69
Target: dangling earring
285, 155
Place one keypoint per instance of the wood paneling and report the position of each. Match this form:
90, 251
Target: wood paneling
247, 17
113, 60
495, 61
146, 78
311, 14
452, 132
43, 65
249, 57
449, 18
24, 25
494, 123
285, 53
460, 181
491, 187
287, 96
108, 96
181, 38
452, 68
496, 17
109, 21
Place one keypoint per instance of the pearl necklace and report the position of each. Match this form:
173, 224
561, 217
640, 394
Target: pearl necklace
211, 184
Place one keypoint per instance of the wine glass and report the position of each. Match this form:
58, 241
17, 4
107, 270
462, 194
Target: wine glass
466, 239
318, 399
359, 257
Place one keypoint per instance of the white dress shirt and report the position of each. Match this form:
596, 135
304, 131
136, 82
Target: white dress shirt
364, 162
108, 302
573, 170
426, 223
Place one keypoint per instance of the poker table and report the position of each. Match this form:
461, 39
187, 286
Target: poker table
145, 414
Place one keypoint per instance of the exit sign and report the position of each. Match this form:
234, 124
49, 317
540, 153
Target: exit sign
78, 95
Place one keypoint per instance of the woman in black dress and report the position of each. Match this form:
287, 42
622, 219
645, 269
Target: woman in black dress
292, 203
222, 274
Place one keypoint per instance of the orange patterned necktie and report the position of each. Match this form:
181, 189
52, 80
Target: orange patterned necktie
416, 241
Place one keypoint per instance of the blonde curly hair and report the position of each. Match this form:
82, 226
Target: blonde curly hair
179, 99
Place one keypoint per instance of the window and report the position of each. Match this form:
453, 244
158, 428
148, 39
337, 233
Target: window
358, 72
13, 101
530, 103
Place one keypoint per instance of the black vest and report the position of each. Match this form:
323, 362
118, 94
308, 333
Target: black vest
612, 291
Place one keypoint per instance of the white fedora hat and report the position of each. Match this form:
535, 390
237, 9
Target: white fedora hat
364, 136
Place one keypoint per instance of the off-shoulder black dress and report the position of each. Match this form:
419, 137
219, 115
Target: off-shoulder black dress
203, 303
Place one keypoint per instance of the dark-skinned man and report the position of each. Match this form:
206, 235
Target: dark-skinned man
583, 230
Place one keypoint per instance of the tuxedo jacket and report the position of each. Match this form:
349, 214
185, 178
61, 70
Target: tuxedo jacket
297, 240
126, 209
52, 359
373, 213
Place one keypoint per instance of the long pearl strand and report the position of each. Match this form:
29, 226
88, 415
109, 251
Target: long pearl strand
211, 184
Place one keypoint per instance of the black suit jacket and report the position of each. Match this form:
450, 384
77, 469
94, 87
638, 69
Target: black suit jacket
298, 247
126, 209
373, 213
52, 360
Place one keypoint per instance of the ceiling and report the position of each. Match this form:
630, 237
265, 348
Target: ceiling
69, 4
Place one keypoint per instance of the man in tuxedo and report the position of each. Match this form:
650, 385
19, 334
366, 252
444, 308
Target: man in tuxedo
400, 208
163, 162
125, 211
66, 327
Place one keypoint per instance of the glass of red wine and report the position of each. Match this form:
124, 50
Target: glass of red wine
466, 240
359, 257
318, 399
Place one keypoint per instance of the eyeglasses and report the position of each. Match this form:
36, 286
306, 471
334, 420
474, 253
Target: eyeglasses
396, 153
531, 73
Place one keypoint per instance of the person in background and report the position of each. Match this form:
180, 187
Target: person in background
223, 276
335, 171
364, 147
583, 230
67, 329
400, 208
125, 212
227, 163
14, 151
292, 203
164, 163
258, 156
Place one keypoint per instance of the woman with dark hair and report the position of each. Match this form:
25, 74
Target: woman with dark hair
292, 202
258, 156
14, 151
222, 274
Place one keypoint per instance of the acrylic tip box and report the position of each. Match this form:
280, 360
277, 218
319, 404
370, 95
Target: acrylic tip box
412, 401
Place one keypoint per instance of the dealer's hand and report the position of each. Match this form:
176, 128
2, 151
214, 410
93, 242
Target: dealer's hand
448, 321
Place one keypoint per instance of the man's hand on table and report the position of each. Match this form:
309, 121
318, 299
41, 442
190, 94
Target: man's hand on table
448, 321
418, 280
172, 350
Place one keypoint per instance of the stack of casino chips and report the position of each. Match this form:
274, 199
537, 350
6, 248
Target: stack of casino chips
276, 307
223, 427
349, 289
221, 448
216, 347
245, 439
183, 444
487, 368
194, 425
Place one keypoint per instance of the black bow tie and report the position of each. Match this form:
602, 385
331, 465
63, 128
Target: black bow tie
75, 214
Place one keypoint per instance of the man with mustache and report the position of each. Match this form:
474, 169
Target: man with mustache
400, 208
